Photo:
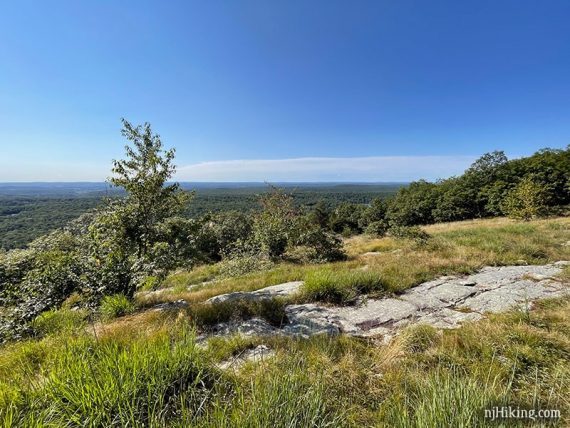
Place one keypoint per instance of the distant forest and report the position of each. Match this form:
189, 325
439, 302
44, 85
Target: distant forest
28, 211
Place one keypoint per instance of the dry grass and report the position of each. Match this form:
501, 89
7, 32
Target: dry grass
455, 248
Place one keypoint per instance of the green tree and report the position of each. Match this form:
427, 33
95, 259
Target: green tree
413, 204
274, 226
144, 175
320, 214
526, 201
345, 218
375, 212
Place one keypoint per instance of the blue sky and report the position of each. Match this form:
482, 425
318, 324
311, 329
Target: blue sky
282, 90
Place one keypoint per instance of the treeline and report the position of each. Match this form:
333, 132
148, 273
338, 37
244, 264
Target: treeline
493, 186
523, 188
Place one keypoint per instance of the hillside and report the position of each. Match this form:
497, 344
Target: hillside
154, 367
299, 312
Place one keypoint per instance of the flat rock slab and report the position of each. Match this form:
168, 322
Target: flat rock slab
280, 290
444, 303
449, 301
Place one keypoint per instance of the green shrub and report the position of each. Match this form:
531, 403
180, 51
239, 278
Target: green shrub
319, 246
115, 306
340, 286
274, 225
415, 233
377, 228
244, 257
62, 320
345, 218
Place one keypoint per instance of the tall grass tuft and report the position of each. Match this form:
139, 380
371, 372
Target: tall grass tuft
340, 286
282, 396
144, 382
444, 398
115, 306
59, 320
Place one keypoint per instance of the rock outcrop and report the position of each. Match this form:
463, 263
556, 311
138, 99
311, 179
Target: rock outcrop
280, 290
444, 303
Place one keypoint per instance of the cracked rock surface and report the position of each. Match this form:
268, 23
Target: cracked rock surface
444, 303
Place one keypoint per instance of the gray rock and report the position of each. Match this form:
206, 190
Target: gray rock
310, 319
250, 327
376, 315
170, 306
256, 355
492, 289
514, 294
448, 318
280, 290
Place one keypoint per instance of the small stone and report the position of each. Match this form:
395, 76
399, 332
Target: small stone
169, 306
256, 355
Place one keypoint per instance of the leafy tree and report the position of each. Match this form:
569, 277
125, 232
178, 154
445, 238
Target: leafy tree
413, 204
274, 226
375, 212
487, 166
321, 213
526, 201
346, 217
218, 232
312, 243
456, 200
493, 195
144, 175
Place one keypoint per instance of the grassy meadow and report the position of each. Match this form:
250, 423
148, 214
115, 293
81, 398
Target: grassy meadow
135, 367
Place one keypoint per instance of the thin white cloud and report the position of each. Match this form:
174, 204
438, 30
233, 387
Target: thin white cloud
370, 169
